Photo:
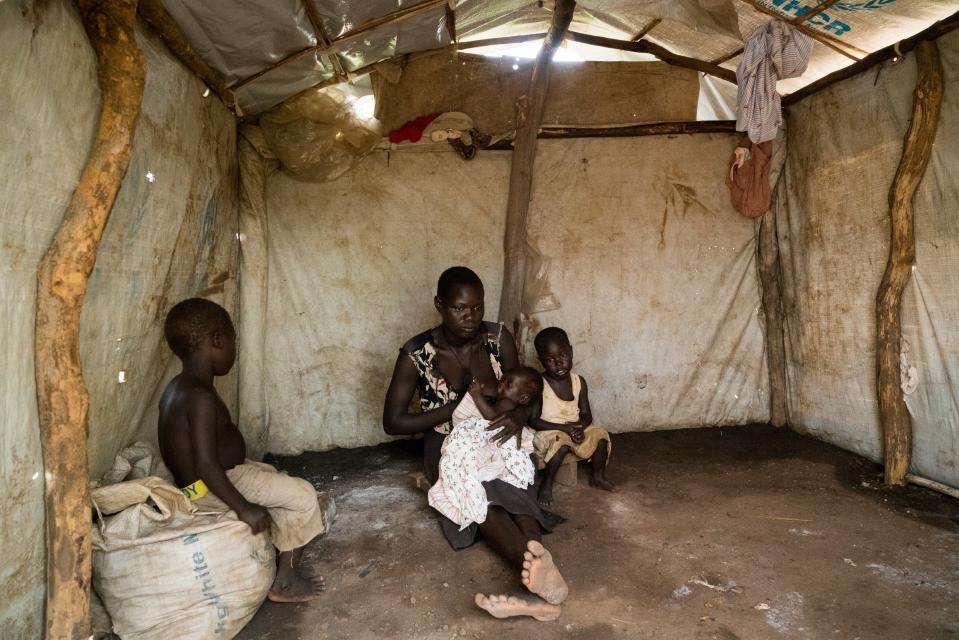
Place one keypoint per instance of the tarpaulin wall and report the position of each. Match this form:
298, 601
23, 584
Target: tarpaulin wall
352, 274
643, 261
833, 228
171, 235
639, 256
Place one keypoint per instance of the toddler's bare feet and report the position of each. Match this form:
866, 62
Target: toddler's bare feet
296, 588
600, 482
420, 481
545, 496
510, 606
541, 576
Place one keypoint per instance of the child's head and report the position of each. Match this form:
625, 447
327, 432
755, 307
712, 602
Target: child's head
555, 352
198, 327
521, 385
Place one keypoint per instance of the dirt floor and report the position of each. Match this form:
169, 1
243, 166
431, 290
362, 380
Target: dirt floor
746, 532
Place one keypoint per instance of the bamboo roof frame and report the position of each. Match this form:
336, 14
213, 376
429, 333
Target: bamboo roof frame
645, 30
330, 47
152, 12
317, 24
822, 6
825, 39
634, 46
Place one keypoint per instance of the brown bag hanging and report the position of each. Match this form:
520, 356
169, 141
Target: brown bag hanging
748, 184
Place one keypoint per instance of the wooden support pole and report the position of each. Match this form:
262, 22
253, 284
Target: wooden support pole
916, 150
155, 15
62, 398
664, 54
528, 118
773, 312
451, 22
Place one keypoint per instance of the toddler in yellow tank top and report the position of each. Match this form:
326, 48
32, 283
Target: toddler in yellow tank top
563, 419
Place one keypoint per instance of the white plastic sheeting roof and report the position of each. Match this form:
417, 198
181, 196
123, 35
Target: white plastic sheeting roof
269, 50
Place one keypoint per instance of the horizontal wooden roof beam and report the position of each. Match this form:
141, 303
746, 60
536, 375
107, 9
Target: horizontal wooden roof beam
627, 131
888, 53
823, 38
492, 42
664, 54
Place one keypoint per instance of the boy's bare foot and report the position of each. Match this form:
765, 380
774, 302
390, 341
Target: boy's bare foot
600, 482
541, 576
510, 606
296, 588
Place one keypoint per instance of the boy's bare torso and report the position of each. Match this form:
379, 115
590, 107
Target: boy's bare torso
176, 443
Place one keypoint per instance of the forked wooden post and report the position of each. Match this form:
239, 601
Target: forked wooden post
529, 115
916, 150
62, 398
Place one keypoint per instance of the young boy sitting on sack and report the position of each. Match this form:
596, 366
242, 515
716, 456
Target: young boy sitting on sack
563, 419
207, 454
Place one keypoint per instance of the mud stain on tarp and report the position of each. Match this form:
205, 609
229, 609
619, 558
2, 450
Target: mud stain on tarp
662, 227
681, 197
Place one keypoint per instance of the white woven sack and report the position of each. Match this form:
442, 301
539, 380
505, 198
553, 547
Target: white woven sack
166, 571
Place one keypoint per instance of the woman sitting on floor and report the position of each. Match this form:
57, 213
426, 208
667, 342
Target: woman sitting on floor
439, 364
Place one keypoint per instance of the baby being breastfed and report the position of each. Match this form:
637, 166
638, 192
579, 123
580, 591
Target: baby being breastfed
469, 458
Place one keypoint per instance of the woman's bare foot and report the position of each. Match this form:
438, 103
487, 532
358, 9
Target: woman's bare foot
600, 482
296, 588
510, 606
541, 576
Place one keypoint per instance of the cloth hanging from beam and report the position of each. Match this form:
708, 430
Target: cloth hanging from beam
773, 52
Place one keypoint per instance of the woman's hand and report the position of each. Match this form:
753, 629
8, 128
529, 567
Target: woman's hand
509, 425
